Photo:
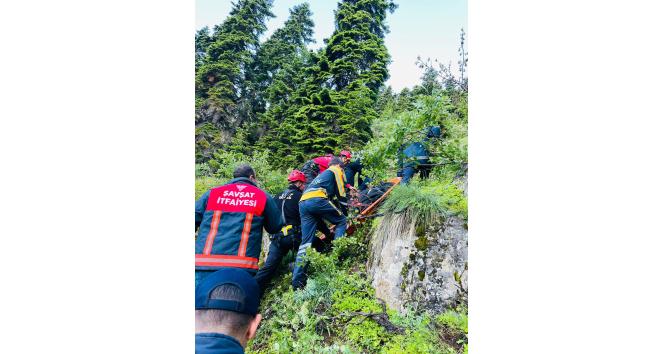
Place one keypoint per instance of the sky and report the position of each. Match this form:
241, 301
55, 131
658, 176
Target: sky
428, 28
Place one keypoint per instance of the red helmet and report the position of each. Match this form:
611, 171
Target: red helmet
345, 153
296, 175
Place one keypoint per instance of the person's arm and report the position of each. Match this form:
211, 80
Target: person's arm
199, 209
272, 216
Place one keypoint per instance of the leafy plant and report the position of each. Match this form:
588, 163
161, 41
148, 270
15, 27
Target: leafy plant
224, 163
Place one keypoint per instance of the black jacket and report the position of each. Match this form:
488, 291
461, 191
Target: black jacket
288, 200
351, 170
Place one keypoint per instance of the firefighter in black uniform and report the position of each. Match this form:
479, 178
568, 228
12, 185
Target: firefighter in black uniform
290, 235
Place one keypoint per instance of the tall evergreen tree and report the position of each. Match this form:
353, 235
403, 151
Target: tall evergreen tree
356, 50
338, 103
202, 41
276, 73
221, 93
277, 57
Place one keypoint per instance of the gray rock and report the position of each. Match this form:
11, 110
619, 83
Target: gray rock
418, 271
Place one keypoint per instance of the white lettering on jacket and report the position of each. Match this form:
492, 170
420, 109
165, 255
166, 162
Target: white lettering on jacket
237, 202
228, 193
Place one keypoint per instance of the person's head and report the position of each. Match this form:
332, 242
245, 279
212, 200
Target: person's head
345, 156
297, 178
336, 161
246, 171
227, 302
434, 132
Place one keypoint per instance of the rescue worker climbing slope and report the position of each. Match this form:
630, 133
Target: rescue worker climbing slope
291, 234
230, 221
315, 206
352, 169
415, 157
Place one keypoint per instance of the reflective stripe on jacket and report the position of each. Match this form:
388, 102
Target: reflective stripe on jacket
230, 221
329, 184
415, 153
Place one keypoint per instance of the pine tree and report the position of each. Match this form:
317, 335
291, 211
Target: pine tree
335, 105
202, 41
357, 60
280, 56
356, 50
277, 73
221, 93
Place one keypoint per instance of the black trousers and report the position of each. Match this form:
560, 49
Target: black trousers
279, 247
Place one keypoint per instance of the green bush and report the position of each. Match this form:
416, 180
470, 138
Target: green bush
401, 124
202, 170
224, 163
203, 184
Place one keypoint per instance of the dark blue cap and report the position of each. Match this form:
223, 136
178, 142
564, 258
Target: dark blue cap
234, 276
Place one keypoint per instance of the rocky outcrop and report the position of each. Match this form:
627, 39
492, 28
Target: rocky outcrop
419, 267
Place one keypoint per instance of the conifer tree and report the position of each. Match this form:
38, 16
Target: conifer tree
284, 52
356, 50
275, 74
338, 103
221, 94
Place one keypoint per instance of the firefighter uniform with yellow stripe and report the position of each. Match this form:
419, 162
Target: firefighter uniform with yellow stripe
230, 221
315, 206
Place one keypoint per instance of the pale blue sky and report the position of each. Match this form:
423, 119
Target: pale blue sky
429, 28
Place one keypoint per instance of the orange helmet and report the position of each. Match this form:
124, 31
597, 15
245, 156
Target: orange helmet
345, 153
296, 175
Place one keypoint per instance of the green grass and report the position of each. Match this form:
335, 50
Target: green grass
426, 200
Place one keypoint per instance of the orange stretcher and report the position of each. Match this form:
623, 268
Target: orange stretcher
371, 209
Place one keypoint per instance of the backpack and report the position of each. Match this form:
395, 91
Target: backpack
310, 169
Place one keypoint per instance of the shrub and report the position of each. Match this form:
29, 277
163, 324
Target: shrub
203, 170
273, 181
203, 184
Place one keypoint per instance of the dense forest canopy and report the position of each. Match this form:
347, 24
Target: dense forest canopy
278, 95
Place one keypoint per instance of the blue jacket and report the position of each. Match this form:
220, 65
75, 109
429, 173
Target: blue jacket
217, 343
417, 152
331, 184
414, 154
230, 221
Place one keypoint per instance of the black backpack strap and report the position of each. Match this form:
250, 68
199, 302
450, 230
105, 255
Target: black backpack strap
285, 195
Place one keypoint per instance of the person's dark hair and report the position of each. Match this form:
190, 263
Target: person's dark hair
244, 171
336, 161
236, 323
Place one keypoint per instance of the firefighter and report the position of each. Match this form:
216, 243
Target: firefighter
291, 234
415, 157
316, 206
352, 169
230, 220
